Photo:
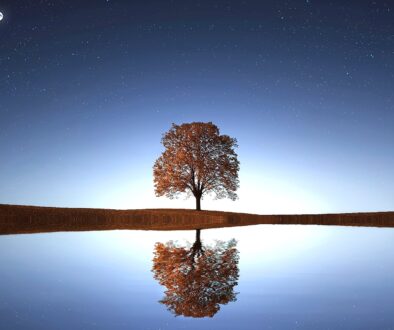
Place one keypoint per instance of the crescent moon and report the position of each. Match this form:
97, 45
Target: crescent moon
1, 16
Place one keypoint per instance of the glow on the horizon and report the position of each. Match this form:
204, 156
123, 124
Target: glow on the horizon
256, 195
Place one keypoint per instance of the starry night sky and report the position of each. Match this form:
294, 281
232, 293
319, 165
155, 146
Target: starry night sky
307, 87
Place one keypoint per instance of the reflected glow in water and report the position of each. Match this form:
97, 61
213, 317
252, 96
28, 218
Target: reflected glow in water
304, 277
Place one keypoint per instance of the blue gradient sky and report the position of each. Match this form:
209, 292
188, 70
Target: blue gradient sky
86, 90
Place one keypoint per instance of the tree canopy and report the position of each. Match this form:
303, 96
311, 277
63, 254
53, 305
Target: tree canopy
197, 160
198, 279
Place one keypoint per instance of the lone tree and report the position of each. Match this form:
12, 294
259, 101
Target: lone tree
198, 280
197, 160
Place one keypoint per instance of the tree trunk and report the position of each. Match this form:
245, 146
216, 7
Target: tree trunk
196, 251
198, 239
198, 203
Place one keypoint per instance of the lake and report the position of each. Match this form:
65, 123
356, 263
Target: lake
254, 277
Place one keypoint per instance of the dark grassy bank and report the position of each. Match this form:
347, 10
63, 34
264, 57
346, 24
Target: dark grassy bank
15, 219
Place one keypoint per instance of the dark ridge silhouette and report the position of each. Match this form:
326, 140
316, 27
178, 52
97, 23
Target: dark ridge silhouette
17, 219
198, 279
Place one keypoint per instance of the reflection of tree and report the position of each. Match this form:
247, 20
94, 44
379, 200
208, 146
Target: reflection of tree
198, 279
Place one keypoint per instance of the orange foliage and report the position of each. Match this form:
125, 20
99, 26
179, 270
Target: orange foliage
197, 160
197, 282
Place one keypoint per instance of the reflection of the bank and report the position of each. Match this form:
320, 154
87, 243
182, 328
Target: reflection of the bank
199, 278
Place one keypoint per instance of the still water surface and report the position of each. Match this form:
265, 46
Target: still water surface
270, 277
